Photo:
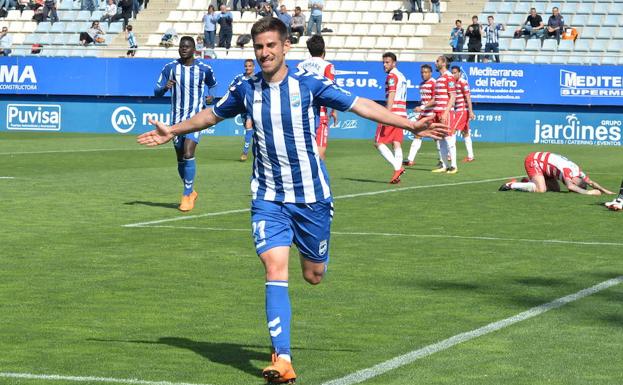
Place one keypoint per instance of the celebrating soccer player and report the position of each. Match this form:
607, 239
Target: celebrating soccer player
463, 112
319, 66
396, 94
445, 95
292, 200
425, 109
186, 78
545, 169
249, 69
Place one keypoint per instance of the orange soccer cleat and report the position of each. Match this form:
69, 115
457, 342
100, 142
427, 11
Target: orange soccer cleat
467, 159
280, 371
396, 177
188, 201
408, 163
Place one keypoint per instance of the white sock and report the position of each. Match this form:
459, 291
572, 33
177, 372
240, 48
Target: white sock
451, 140
443, 152
469, 147
387, 153
438, 144
527, 186
415, 147
286, 357
398, 158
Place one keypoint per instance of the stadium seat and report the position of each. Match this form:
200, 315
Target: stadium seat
352, 42
354, 17
594, 20
575, 59
383, 42
522, 8
360, 29
515, 20
542, 59
197, 29
502, 18
184, 4
415, 18
20, 52
66, 4
533, 45
582, 45
343, 55
601, 9
549, 45
63, 52
376, 6
83, 15
14, 14
27, 15
409, 29
604, 33
162, 27
16, 26
610, 60
565, 46
584, 9
578, 20
116, 27
615, 46
431, 18
96, 15
346, 5
559, 59
615, 8
189, 16
423, 30
611, 21
504, 43
43, 27
491, 7
358, 56
517, 45
415, 43
58, 27
505, 8
598, 46
593, 60
385, 18
392, 30
368, 41
407, 57
176, 16
508, 58
401, 41
46, 39
526, 59
200, 5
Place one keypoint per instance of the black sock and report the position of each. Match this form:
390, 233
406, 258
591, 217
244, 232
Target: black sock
621, 191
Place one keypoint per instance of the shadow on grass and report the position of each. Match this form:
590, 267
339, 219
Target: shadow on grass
233, 355
153, 204
364, 180
540, 281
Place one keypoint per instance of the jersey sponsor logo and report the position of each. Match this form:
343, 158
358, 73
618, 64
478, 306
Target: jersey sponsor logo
574, 84
123, 119
18, 78
35, 117
295, 100
573, 131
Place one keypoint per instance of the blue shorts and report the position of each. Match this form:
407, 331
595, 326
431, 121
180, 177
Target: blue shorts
308, 226
178, 141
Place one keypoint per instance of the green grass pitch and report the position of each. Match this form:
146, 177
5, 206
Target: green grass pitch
81, 295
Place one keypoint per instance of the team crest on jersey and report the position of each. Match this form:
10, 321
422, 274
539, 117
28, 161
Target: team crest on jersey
322, 249
295, 100
391, 81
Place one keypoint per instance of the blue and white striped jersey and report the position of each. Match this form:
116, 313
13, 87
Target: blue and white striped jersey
287, 167
131, 40
188, 94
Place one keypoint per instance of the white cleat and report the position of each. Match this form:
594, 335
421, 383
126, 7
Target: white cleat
615, 205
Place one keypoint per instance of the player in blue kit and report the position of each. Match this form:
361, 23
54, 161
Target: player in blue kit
292, 201
249, 69
186, 78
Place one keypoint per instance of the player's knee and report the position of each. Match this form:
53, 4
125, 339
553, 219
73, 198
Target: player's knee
313, 277
189, 154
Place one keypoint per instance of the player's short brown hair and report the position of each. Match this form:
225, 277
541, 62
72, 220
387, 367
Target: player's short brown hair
269, 24
390, 55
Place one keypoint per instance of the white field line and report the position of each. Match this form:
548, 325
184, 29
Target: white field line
440, 236
7, 177
408, 358
56, 377
137, 148
356, 195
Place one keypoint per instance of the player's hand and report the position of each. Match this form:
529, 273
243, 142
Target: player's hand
334, 117
472, 116
170, 84
425, 128
209, 99
161, 135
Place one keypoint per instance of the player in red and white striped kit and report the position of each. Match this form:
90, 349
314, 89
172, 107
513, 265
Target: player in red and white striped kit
396, 94
425, 109
445, 96
318, 65
545, 169
463, 112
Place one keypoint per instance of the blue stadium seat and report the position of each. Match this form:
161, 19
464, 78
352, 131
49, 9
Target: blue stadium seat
63, 52
43, 27
505, 8
504, 44
559, 59
115, 27
582, 45
58, 39
587, 32
58, 27
526, 59
491, 7
615, 46
543, 59
601, 9
516, 19
584, 9
522, 7
594, 60
46, 39
611, 21
577, 21
615, 8
549, 45
502, 18
96, 15
83, 15
610, 60
599, 45
73, 27
533, 45
575, 60
31, 39
604, 33
594, 20
565, 46
66, 4
517, 45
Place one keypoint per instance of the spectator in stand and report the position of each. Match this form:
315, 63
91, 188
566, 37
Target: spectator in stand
49, 11
435, 6
129, 36
419, 5
168, 38
6, 41
209, 27
284, 16
457, 39
532, 27
88, 5
316, 16
266, 10
110, 11
8, 4
92, 35
244, 4
492, 37
225, 20
127, 7
555, 25
297, 25
474, 44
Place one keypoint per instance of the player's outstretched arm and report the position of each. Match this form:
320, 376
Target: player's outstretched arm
577, 189
163, 133
597, 186
369, 109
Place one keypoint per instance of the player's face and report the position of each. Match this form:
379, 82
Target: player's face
439, 64
456, 74
270, 51
426, 74
249, 68
388, 64
579, 182
186, 50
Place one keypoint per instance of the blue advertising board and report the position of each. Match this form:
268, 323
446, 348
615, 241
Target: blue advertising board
490, 83
494, 123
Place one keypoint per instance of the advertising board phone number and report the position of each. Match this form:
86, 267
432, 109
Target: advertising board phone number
488, 118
